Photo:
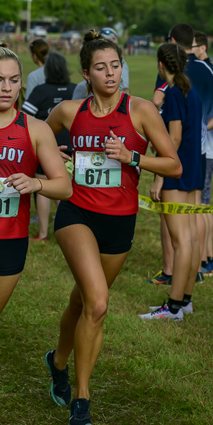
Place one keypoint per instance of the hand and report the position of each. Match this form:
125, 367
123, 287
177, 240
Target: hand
115, 149
22, 183
155, 190
64, 156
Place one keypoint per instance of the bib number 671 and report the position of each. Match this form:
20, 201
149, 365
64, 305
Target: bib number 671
99, 175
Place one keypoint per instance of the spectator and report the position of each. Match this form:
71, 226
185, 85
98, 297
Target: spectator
200, 49
182, 114
201, 77
38, 49
41, 101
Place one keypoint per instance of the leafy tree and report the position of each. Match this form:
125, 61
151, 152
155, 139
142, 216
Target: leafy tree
155, 16
9, 10
73, 12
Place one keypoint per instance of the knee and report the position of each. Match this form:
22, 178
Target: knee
182, 243
96, 311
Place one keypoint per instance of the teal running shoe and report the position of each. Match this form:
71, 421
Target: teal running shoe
60, 387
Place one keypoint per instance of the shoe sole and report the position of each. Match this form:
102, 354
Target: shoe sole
153, 308
164, 282
62, 403
176, 319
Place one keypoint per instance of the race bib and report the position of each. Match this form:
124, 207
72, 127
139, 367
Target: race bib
9, 200
95, 169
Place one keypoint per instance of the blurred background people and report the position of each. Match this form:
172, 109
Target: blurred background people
182, 114
200, 49
39, 49
43, 98
200, 75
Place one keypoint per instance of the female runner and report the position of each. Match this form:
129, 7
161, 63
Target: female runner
182, 114
109, 133
24, 142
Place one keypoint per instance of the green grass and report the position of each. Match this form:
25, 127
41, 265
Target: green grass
148, 373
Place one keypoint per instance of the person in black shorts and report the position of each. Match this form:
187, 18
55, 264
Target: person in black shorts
109, 141
182, 114
201, 78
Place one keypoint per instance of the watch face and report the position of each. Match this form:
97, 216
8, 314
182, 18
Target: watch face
135, 158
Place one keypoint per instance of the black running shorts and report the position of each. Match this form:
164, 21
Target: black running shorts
114, 234
13, 255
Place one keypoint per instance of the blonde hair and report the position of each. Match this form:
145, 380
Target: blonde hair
6, 54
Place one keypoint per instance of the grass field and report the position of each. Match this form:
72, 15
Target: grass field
148, 373
143, 71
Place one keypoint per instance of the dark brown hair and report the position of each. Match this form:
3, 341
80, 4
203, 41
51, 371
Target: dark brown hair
56, 69
40, 48
92, 42
174, 58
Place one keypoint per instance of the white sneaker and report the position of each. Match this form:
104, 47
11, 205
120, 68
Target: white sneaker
154, 307
188, 309
163, 313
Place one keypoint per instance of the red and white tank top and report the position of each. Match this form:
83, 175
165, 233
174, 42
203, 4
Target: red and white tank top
16, 156
100, 184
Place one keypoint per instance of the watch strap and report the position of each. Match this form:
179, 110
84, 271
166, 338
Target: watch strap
135, 159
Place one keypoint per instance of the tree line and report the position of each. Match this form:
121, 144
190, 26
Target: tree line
136, 16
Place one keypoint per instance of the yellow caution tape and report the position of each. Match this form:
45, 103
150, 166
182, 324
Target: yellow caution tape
161, 207
172, 208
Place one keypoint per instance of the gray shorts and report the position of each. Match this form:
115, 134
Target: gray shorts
206, 192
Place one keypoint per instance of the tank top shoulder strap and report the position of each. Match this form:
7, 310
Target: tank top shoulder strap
20, 119
84, 105
123, 107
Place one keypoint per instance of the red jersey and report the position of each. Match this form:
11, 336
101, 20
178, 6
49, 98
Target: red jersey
100, 184
16, 156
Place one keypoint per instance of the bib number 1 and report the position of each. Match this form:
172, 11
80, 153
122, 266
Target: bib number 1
9, 200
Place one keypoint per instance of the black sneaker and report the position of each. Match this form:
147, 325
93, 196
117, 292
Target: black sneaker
80, 412
159, 278
60, 386
200, 277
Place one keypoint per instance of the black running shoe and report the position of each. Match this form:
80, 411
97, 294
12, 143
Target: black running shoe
60, 386
159, 278
200, 277
80, 412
